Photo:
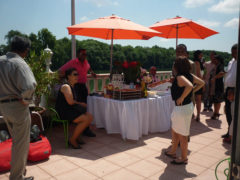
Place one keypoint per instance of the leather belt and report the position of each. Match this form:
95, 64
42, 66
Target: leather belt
9, 100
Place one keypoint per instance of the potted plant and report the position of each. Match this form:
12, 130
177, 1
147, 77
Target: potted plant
43, 78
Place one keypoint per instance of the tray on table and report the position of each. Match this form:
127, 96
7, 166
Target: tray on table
126, 94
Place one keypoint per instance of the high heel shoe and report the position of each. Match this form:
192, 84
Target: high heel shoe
215, 116
73, 146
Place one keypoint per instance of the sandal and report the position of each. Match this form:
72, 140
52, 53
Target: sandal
73, 146
179, 161
173, 156
215, 116
80, 141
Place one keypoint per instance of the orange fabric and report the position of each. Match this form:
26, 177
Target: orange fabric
187, 29
122, 29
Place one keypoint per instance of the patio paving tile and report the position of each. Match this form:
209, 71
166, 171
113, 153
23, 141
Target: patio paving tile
104, 151
168, 174
123, 174
203, 160
141, 152
122, 159
144, 168
76, 175
101, 167
210, 174
108, 156
38, 173
58, 167
82, 159
4, 177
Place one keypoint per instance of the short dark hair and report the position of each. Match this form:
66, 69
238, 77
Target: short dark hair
235, 47
80, 50
182, 65
219, 59
20, 44
182, 46
196, 54
69, 72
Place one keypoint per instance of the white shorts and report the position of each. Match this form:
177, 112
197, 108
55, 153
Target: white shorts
181, 119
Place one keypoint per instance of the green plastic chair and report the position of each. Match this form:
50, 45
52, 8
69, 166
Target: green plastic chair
56, 118
226, 171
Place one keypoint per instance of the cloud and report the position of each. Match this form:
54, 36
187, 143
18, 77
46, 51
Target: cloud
196, 3
101, 3
226, 6
84, 18
208, 23
232, 23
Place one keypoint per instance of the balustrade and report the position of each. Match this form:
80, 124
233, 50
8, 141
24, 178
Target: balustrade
97, 84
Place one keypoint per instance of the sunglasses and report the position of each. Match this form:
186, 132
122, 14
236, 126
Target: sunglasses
75, 74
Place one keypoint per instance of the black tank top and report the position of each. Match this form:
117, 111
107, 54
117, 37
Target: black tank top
177, 91
61, 104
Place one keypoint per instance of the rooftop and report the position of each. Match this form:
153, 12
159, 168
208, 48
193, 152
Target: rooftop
108, 156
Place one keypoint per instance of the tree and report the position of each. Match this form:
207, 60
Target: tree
46, 38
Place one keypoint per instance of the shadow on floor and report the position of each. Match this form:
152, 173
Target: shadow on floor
168, 171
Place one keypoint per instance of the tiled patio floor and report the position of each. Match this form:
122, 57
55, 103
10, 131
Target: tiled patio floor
109, 157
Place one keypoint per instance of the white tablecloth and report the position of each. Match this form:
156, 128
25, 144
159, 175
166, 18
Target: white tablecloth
132, 118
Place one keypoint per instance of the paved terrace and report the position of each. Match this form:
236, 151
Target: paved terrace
109, 157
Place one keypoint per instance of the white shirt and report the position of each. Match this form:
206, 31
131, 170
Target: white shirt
209, 66
230, 77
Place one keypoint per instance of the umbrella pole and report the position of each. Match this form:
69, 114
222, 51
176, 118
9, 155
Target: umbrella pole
111, 54
177, 36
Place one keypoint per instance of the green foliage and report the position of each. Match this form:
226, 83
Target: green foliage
98, 53
44, 79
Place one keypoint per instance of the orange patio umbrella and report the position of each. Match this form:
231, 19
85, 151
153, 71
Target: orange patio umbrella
112, 27
180, 27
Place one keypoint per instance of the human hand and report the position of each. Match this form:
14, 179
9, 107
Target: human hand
83, 104
170, 80
94, 75
179, 101
25, 103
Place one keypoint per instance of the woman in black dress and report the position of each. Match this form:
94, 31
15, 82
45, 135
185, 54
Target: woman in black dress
72, 110
218, 89
181, 91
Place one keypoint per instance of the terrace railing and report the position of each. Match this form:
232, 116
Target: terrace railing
97, 84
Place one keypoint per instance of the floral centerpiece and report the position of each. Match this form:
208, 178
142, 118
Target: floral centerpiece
131, 70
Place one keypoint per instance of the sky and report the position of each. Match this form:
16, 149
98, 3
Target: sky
29, 16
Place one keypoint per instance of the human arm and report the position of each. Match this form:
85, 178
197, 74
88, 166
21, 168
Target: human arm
199, 83
67, 92
25, 82
184, 82
220, 74
92, 72
230, 95
198, 69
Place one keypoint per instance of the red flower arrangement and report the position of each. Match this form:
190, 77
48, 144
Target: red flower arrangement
131, 70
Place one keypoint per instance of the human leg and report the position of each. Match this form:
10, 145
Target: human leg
227, 111
198, 106
82, 122
18, 116
175, 142
184, 146
206, 98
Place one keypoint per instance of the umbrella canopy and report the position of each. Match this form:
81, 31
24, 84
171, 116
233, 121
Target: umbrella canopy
179, 27
112, 27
